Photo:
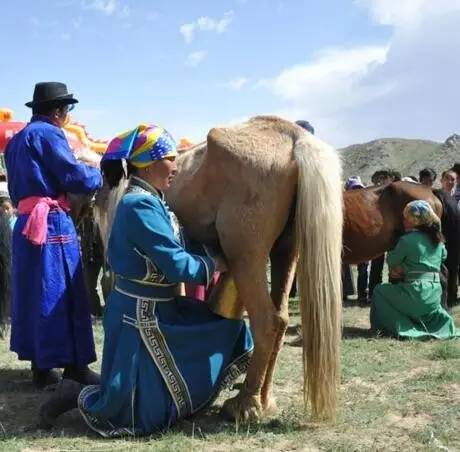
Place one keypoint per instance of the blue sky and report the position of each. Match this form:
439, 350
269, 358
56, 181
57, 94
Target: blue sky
357, 69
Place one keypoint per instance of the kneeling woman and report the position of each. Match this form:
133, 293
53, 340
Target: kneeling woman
165, 357
411, 308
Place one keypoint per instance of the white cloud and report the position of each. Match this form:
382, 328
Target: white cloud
187, 30
238, 83
108, 7
195, 58
65, 36
405, 87
332, 81
407, 12
206, 23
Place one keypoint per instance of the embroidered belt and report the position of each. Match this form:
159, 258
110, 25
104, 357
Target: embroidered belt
135, 290
425, 276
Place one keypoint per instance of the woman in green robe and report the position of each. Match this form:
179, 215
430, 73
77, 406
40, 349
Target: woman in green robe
411, 308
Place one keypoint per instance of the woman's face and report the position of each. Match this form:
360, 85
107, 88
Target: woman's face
161, 173
408, 223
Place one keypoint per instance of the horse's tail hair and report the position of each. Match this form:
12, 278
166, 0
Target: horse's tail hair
107, 200
5, 271
319, 221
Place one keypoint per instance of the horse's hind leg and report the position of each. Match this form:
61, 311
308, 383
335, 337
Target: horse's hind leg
251, 282
283, 265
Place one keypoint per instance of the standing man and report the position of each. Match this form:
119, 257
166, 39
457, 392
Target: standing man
51, 322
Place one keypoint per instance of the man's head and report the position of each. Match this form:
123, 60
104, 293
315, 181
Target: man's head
52, 99
382, 177
448, 180
427, 176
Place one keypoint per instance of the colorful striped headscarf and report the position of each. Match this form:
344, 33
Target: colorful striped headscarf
141, 146
421, 213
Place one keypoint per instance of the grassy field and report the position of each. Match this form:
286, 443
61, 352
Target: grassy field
394, 396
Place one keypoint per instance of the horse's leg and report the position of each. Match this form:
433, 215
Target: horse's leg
283, 265
251, 282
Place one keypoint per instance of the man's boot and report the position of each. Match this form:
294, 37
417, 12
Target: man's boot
64, 399
83, 375
44, 377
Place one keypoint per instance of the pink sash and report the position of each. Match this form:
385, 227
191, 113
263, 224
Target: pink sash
36, 228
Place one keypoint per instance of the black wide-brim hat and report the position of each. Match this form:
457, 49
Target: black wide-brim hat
50, 93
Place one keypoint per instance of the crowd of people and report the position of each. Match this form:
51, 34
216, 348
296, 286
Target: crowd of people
158, 346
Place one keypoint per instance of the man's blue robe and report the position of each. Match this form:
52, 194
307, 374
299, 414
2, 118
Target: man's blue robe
51, 322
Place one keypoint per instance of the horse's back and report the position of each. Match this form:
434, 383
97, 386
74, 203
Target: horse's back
245, 172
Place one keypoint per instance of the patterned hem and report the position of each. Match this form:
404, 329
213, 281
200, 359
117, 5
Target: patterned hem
230, 374
158, 348
104, 428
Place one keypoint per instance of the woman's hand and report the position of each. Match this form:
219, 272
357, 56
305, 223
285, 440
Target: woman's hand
396, 273
220, 264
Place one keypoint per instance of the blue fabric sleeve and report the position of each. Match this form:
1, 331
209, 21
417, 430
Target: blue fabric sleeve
153, 234
73, 177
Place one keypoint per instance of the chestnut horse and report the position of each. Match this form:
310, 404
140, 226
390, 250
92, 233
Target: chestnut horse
267, 189
373, 223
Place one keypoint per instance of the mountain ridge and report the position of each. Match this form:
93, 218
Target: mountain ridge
406, 155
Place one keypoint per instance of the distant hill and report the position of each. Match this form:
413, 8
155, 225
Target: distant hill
406, 156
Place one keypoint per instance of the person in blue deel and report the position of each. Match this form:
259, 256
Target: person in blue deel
165, 357
51, 321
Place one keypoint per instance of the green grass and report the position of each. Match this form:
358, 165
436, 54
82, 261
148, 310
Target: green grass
393, 396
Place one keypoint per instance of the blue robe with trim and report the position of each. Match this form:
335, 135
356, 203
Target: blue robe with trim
50, 320
165, 357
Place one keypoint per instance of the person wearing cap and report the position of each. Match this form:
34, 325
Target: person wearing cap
51, 322
411, 306
165, 357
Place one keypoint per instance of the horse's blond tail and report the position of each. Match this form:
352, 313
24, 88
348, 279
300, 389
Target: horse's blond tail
319, 239
105, 208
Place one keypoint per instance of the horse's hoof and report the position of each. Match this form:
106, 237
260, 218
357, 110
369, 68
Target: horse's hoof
243, 408
270, 407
